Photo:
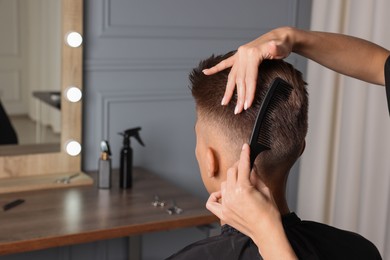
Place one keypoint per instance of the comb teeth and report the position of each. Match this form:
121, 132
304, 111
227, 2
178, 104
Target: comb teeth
265, 139
280, 95
260, 140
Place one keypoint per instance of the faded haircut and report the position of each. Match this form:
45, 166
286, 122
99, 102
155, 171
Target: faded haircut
289, 123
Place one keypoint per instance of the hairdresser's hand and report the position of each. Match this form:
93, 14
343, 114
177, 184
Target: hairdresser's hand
275, 44
242, 203
251, 209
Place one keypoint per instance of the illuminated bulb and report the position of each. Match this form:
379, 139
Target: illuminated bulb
73, 148
74, 39
73, 94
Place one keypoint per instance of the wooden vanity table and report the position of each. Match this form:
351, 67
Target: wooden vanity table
52, 218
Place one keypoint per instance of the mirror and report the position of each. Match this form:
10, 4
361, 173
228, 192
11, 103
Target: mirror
30, 74
33, 169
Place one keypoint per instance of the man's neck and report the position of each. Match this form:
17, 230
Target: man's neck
281, 203
276, 182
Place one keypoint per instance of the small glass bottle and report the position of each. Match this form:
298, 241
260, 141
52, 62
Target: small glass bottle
104, 174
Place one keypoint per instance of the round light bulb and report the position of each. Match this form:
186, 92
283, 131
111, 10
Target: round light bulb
73, 94
73, 148
74, 39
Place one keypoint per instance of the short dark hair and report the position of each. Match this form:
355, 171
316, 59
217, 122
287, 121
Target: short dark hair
289, 126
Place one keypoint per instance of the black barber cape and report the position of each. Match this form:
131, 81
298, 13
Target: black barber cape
310, 240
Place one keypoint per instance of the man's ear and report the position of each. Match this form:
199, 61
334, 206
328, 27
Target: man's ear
303, 147
212, 163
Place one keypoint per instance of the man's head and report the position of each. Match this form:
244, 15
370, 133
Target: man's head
221, 134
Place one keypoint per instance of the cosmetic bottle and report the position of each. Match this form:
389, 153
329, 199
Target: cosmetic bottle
126, 158
104, 174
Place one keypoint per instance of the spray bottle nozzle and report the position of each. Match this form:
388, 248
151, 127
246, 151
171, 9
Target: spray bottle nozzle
129, 133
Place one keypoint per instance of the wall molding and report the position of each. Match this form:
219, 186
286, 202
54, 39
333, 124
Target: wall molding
130, 64
107, 100
109, 30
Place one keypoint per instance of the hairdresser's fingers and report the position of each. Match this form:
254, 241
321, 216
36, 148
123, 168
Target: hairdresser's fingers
241, 89
223, 190
230, 86
231, 176
220, 66
242, 62
250, 82
257, 182
215, 197
240, 82
244, 167
213, 204
224, 196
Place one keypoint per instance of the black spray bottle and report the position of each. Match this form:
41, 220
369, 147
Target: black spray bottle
126, 161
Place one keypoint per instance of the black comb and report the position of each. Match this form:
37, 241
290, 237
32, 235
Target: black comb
260, 141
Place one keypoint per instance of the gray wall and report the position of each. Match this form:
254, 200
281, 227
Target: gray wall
137, 58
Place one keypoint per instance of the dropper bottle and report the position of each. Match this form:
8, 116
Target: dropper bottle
126, 158
104, 175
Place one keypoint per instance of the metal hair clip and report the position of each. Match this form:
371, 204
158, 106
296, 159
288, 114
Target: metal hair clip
66, 180
157, 202
174, 209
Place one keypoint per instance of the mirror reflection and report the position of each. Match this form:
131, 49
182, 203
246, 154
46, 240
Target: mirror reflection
30, 72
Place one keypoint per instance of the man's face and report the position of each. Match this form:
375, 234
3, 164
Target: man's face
202, 137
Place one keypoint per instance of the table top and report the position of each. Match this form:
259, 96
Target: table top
51, 218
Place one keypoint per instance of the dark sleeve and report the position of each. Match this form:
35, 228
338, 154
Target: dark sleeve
7, 132
387, 81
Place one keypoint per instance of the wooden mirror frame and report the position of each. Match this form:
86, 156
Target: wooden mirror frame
37, 171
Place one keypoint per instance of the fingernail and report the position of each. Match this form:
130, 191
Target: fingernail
236, 110
223, 101
243, 147
246, 105
204, 71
